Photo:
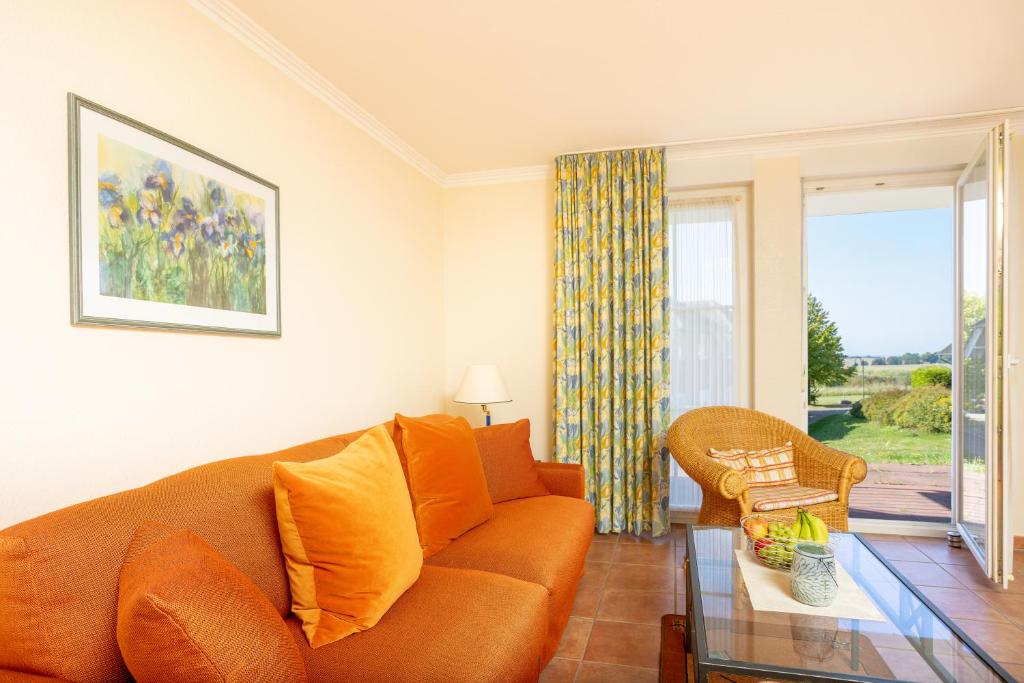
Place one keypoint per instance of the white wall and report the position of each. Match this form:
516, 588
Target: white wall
498, 274
87, 411
779, 386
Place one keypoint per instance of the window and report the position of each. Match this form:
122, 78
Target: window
707, 243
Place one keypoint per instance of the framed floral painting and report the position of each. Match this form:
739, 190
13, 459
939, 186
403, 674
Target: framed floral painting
164, 234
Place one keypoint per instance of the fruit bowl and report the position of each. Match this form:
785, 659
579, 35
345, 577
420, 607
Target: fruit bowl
772, 538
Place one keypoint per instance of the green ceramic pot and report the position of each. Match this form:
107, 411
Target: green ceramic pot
814, 580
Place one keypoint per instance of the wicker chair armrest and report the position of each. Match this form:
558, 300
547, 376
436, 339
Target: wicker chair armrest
823, 467
713, 477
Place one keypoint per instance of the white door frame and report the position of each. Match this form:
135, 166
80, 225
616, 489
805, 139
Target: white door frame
943, 177
996, 558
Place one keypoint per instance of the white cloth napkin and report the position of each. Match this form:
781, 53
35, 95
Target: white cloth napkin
769, 592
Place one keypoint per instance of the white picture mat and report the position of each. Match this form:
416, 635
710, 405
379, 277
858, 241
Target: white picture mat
96, 305
769, 591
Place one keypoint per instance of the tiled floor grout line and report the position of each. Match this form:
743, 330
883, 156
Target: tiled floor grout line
597, 610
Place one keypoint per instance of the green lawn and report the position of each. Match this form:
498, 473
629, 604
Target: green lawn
876, 443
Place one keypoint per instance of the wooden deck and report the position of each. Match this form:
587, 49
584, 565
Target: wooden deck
919, 493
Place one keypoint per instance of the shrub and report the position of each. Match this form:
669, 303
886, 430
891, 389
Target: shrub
857, 409
925, 409
940, 375
879, 407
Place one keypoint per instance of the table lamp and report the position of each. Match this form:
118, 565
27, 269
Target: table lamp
481, 385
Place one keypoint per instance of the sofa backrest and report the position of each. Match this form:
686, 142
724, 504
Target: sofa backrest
59, 572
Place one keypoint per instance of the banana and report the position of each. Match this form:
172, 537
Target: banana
819, 531
805, 527
795, 529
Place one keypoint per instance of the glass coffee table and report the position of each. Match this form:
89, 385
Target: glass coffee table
731, 641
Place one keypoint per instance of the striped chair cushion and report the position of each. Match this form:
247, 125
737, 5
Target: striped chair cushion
735, 458
771, 467
769, 498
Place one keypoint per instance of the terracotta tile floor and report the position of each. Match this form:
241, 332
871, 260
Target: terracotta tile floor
630, 581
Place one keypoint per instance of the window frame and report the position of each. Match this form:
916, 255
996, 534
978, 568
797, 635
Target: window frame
742, 280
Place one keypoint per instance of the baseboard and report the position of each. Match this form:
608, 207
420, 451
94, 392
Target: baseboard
681, 516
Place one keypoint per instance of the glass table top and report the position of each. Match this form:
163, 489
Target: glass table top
913, 643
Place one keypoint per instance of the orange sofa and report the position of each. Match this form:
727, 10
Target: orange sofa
489, 607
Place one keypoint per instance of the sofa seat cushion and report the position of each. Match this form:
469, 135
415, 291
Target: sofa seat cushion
451, 625
542, 539
789, 496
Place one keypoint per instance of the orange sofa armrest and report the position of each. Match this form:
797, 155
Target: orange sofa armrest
562, 478
20, 677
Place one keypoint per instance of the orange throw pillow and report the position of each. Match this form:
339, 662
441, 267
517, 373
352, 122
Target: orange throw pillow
446, 478
348, 535
508, 461
185, 613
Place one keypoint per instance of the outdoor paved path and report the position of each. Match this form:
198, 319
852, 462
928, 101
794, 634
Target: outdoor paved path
815, 414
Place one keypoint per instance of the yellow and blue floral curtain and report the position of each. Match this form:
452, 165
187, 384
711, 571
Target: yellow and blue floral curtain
611, 375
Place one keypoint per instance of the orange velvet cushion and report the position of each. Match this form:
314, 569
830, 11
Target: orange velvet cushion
446, 478
349, 536
508, 461
185, 613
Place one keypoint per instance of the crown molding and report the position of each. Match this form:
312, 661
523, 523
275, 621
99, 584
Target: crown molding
233, 20
788, 142
791, 141
779, 143
497, 176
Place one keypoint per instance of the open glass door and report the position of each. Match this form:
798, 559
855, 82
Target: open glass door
980, 467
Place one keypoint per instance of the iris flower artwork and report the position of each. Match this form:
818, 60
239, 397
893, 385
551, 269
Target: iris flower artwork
168, 236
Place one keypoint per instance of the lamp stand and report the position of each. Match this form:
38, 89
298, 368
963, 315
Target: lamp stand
487, 413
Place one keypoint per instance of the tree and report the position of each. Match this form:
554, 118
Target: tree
878, 361
826, 362
973, 312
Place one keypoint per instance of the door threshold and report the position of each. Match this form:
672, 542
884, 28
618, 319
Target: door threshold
899, 528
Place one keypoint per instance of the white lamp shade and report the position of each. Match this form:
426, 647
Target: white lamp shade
482, 384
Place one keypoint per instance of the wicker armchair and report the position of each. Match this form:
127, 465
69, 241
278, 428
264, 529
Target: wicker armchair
726, 494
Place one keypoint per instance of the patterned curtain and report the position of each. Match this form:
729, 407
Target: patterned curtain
611, 372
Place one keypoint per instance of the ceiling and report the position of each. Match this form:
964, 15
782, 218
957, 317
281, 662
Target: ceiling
482, 85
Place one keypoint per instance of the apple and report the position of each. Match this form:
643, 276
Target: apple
756, 528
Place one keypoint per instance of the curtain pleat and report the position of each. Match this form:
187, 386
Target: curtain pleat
611, 351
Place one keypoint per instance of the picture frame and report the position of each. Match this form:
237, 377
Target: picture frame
166, 235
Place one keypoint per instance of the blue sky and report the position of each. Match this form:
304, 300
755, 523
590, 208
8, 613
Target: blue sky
886, 278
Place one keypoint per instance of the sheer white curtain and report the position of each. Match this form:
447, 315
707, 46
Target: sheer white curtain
703, 279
